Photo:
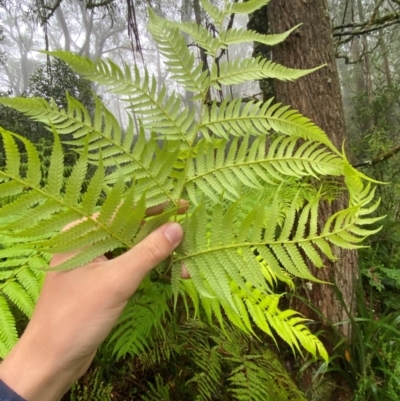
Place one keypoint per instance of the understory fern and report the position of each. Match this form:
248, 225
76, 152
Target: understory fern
214, 364
255, 175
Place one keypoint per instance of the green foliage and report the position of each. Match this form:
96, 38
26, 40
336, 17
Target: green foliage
377, 127
49, 82
370, 363
144, 313
20, 282
14, 121
255, 173
21, 269
214, 364
52, 79
97, 390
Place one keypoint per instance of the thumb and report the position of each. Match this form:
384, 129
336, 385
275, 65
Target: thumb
133, 265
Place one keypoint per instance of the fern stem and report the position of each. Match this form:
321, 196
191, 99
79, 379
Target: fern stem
252, 162
256, 244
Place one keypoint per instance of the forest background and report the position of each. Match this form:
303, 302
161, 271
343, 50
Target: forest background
355, 99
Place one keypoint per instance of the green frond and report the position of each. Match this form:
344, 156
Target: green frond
18, 296
214, 12
272, 239
212, 279
180, 61
142, 315
249, 69
258, 118
245, 165
73, 187
158, 392
55, 177
208, 362
30, 281
202, 36
156, 110
239, 35
246, 7
245, 382
20, 284
47, 212
13, 161
142, 159
8, 332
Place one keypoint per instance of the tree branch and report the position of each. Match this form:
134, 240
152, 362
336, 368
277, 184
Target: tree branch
104, 3
230, 25
379, 159
374, 24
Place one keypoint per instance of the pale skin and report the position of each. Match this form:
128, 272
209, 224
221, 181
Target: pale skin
75, 312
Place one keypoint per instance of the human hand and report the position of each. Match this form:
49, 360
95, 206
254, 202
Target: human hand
75, 312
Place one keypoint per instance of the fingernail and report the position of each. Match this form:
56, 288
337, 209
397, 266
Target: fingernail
174, 233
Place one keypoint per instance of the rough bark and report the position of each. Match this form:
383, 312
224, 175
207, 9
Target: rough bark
318, 96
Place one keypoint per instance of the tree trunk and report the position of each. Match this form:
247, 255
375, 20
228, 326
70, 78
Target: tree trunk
64, 26
384, 54
317, 96
367, 58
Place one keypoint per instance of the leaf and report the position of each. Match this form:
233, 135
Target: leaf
248, 69
246, 7
180, 61
258, 118
239, 35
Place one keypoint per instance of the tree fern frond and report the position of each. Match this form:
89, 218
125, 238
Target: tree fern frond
156, 110
13, 161
202, 36
36, 215
100, 242
246, 7
142, 315
8, 332
239, 35
141, 160
20, 284
55, 177
242, 70
18, 296
206, 260
180, 61
73, 187
215, 13
248, 166
30, 281
258, 118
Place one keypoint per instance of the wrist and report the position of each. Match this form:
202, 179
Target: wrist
35, 372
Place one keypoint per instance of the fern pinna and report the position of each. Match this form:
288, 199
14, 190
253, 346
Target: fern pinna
255, 174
